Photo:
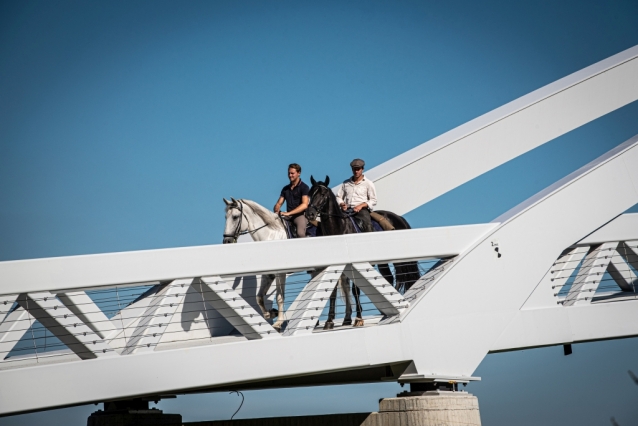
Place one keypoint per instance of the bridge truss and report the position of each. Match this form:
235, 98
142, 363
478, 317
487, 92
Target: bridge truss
112, 326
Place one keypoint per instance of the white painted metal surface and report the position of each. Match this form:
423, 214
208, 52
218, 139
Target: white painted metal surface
579, 279
503, 134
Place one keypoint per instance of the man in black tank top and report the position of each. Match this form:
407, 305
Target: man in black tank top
295, 195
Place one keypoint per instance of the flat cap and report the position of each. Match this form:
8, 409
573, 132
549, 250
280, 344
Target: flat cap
357, 162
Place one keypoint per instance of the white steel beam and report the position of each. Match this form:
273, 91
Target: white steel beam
590, 273
380, 292
450, 160
480, 294
88, 312
225, 300
81, 272
311, 301
558, 325
64, 325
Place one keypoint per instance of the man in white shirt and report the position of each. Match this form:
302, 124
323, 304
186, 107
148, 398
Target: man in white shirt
359, 194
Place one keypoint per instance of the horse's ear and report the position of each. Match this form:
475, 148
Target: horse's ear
233, 200
228, 203
327, 180
313, 181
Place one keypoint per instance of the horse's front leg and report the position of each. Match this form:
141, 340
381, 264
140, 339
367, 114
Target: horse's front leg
266, 281
345, 289
281, 289
329, 325
358, 322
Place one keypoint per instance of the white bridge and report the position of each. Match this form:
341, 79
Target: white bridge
557, 269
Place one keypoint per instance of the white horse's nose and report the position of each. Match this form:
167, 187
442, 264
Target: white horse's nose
228, 240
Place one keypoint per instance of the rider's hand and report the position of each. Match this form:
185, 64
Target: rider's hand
356, 209
344, 207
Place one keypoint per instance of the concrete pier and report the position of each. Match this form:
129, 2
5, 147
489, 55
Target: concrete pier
431, 408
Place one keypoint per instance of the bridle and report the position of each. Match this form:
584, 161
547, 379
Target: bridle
238, 230
321, 207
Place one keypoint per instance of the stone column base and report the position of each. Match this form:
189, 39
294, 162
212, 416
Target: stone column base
432, 408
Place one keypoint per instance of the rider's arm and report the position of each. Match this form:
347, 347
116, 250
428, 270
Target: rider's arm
340, 194
372, 195
301, 207
280, 202
360, 206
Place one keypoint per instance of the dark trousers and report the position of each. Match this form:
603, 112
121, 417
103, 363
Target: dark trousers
364, 215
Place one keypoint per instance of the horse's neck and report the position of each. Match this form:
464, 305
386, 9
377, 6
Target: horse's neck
259, 232
335, 224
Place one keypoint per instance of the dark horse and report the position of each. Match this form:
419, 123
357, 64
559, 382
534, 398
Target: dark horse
323, 203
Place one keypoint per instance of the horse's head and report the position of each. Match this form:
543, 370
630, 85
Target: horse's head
317, 198
235, 220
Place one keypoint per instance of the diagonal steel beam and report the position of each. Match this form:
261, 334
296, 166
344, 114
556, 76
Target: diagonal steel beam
12, 329
620, 270
590, 273
156, 317
88, 312
234, 308
312, 300
64, 325
380, 292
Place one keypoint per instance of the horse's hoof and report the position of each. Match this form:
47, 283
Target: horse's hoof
277, 327
347, 321
358, 322
329, 325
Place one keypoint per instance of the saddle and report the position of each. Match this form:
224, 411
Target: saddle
358, 223
291, 229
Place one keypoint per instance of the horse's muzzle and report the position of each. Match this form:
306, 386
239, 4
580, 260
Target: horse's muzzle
229, 240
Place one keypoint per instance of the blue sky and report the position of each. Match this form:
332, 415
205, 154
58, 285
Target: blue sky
123, 124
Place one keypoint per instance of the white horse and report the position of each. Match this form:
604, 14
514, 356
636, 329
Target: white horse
247, 217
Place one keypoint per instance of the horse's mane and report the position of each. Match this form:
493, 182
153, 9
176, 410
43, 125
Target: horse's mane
269, 218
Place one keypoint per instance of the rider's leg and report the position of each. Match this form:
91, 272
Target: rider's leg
364, 215
385, 223
301, 223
